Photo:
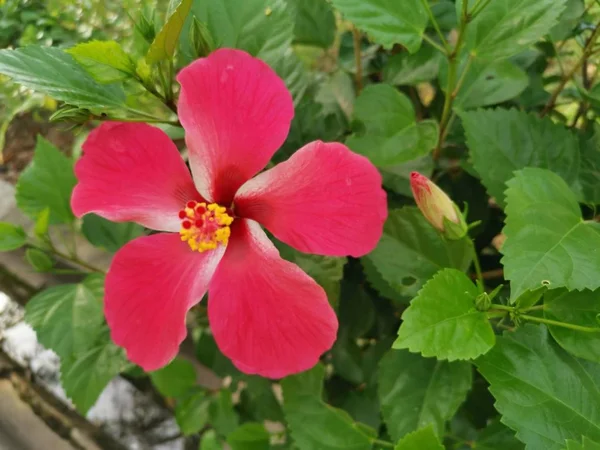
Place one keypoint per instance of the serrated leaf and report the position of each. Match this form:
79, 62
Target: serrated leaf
397, 178
191, 412
51, 71
223, 417
47, 183
293, 73
391, 136
542, 392
164, 44
410, 252
68, 318
12, 237
586, 444
442, 320
175, 379
496, 436
105, 61
503, 29
314, 424
39, 260
249, 436
578, 308
387, 22
263, 28
416, 392
85, 377
589, 174
423, 439
406, 69
547, 246
501, 141
259, 398
314, 24
210, 441
488, 83
109, 235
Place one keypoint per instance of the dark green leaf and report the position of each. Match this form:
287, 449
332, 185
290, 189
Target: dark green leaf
410, 252
191, 412
502, 141
578, 308
105, 61
47, 183
258, 397
589, 175
416, 392
249, 436
406, 69
53, 72
164, 44
109, 235
586, 444
547, 246
423, 439
314, 424
210, 441
442, 320
542, 392
223, 417
39, 260
12, 237
387, 23
175, 379
315, 23
497, 437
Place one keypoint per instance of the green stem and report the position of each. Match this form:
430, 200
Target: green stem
476, 264
571, 326
144, 119
383, 443
434, 44
436, 26
534, 308
502, 307
478, 7
72, 259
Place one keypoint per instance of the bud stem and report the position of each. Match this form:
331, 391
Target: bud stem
477, 265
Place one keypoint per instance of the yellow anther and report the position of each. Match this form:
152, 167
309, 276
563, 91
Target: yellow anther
204, 226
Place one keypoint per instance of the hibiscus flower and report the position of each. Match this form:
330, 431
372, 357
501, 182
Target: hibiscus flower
267, 315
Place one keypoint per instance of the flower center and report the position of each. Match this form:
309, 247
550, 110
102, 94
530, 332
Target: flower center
204, 226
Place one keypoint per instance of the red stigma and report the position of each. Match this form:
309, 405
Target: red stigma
182, 214
191, 204
186, 224
199, 223
200, 209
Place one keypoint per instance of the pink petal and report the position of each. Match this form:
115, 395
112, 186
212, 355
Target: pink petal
152, 282
325, 199
266, 314
236, 113
132, 172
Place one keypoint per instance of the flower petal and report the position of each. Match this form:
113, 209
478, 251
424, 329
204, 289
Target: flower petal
267, 315
132, 172
236, 113
325, 199
152, 282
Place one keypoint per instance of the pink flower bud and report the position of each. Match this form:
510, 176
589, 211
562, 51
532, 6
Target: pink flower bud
433, 202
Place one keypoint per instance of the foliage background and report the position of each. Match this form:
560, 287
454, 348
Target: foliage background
496, 100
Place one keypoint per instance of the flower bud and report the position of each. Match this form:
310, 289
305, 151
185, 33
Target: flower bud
436, 206
200, 39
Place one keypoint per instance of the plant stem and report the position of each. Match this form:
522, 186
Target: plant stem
436, 26
502, 307
434, 44
478, 7
383, 443
357, 60
476, 263
452, 87
557, 323
144, 119
73, 259
565, 79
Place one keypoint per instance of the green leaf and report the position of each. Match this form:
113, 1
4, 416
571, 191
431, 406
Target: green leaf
85, 377
501, 141
164, 44
416, 392
397, 178
586, 444
488, 83
42, 223
53, 72
423, 439
12, 237
497, 437
258, 397
249, 436
568, 20
47, 183
391, 136
315, 23
175, 379
105, 61
589, 175
542, 392
410, 252
223, 417
506, 28
210, 441
547, 246
263, 28
209, 355
314, 424
191, 412
406, 69
387, 23
293, 73
39, 260
579, 308
68, 318
442, 320
109, 235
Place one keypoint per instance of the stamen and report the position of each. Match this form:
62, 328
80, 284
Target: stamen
204, 226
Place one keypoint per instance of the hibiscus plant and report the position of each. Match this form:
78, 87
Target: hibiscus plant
374, 221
